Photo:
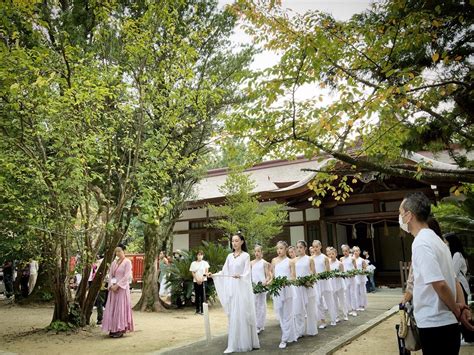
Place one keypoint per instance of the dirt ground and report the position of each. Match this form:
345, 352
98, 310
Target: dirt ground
382, 340
22, 331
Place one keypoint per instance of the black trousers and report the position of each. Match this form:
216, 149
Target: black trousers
8, 281
444, 340
199, 295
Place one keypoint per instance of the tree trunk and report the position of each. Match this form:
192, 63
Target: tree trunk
150, 299
89, 301
61, 311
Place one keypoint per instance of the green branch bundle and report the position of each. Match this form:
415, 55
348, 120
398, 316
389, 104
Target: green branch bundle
279, 282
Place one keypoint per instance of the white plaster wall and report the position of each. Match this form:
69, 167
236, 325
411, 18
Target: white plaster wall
296, 233
181, 226
312, 214
296, 216
192, 214
181, 242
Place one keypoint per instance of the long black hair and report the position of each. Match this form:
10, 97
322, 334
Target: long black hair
455, 245
244, 244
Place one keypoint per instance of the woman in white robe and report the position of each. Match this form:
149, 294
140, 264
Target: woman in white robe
260, 273
351, 287
338, 284
324, 297
283, 303
306, 322
234, 288
361, 280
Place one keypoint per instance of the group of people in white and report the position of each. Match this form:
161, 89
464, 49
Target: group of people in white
300, 310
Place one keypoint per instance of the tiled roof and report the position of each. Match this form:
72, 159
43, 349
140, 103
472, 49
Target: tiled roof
289, 173
264, 175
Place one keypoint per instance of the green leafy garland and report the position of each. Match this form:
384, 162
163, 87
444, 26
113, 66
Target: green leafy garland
279, 282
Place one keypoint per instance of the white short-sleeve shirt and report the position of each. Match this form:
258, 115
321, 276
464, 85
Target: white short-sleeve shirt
431, 262
199, 267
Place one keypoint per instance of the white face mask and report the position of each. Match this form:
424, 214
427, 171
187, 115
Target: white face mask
403, 225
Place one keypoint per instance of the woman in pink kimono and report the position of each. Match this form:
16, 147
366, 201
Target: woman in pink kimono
118, 312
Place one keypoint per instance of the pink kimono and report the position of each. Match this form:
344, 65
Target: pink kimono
118, 309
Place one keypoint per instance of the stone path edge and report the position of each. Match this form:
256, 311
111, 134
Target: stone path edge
335, 345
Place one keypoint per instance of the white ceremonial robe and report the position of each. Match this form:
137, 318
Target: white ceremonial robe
339, 290
236, 297
351, 287
306, 321
324, 299
283, 304
258, 275
361, 290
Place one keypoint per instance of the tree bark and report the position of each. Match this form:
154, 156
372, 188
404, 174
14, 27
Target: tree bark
61, 310
150, 299
89, 301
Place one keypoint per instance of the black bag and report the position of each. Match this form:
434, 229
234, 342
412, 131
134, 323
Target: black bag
411, 336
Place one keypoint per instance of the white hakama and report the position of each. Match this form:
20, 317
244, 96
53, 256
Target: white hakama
339, 290
351, 287
236, 297
283, 304
324, 292
258, 275
306, 322
361, 290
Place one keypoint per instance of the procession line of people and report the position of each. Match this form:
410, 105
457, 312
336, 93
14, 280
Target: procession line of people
300, 310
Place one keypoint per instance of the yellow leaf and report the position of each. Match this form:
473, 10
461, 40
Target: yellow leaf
435, 57
354, 181
457, 192
411, 75
458, 58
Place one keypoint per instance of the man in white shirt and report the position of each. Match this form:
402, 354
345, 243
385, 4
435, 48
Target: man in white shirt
437, 298
200, 270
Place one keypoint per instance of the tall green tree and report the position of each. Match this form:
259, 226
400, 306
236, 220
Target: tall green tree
457, 215
100, 105
242, 211
187, 85
393, 79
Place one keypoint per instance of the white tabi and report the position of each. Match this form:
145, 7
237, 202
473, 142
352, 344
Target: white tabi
283, 304
258, 275
361, 289
306, 321
236, 297
351, 287
339, 289
324, 292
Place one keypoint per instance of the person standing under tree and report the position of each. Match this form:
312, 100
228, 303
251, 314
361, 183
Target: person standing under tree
118, 312
234, 288
199, 268
34, 268
438, 300
8, 277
